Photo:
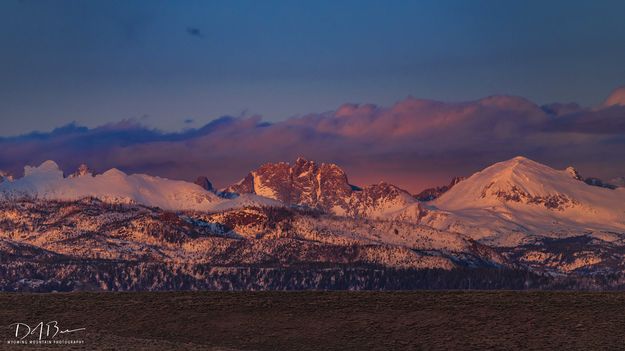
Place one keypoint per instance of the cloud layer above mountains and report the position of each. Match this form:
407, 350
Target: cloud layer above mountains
414, 143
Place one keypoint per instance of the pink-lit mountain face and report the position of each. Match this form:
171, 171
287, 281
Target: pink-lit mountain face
517, 218
304, 183
321, 186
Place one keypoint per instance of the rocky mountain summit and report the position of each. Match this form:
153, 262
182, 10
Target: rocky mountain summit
83, 170
304, 183
591, 180
204, 183
433, 193
321, 186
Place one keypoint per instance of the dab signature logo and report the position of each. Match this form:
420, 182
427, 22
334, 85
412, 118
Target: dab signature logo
41, 333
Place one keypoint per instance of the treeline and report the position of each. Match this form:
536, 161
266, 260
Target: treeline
124, 276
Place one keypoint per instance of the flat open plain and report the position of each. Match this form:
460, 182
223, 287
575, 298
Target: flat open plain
323, 320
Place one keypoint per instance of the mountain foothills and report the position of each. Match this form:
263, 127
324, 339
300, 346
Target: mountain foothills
516, 224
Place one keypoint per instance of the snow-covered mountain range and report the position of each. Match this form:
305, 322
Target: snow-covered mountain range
514, 215
114, 186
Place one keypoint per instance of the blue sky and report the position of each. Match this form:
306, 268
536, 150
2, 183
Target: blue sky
164, 62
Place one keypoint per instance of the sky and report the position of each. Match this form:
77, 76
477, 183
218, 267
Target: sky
180, 64
390, 90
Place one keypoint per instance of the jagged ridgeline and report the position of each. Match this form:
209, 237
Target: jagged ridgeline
515, 225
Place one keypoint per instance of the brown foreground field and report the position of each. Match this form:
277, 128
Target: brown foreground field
323, 320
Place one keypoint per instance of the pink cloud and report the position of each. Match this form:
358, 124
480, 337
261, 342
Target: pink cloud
414, 143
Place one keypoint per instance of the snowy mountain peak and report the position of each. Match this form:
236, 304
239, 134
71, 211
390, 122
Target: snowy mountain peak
47, 168
518, 160
574, 173
83, 170
386, 192
519, 195
518, 180
114, 172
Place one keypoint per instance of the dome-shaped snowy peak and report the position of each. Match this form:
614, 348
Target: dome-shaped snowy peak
524, 182
514, 199
48, 168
